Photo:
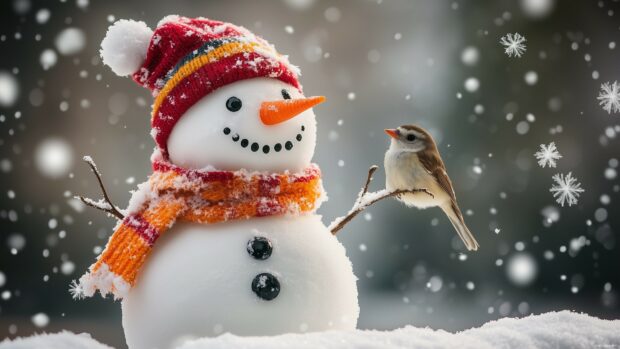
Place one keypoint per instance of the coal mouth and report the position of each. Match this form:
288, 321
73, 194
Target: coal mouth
265, 148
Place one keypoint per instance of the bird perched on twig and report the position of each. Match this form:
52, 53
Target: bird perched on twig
413, 161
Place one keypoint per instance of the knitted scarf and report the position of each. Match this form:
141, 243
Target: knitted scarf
173, 193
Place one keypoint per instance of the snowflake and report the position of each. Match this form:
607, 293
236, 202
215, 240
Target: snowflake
514, 44
76, 290
547, 155
609, 97
566, 189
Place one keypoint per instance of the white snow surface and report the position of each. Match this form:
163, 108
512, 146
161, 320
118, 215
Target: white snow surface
551, 330
562, 329
61, 340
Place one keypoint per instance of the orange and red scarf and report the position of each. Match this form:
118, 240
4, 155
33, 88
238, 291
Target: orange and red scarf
173, 193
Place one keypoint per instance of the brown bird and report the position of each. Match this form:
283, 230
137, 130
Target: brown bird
413, 161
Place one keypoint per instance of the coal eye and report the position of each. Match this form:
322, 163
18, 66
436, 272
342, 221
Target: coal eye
233, 104
285, 94
410, 138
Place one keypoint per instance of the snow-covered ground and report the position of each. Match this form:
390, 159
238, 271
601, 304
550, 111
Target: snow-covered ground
550, 330
62, 340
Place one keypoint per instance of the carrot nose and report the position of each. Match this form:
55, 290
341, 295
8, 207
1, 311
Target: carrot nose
275, 112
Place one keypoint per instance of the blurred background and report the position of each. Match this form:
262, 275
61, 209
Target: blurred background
381, 64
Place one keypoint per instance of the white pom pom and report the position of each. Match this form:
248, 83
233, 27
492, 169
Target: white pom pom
125, 46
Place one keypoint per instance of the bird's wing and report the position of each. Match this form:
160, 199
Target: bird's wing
431, 160
434, 165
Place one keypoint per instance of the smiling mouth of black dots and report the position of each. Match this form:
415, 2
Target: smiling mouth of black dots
254, 146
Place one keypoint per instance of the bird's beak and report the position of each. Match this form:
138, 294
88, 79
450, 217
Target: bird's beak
392, 132
275, 112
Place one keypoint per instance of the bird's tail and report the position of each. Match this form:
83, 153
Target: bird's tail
456, 218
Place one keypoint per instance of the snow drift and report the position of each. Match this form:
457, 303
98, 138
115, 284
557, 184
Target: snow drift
62, 340
563, 329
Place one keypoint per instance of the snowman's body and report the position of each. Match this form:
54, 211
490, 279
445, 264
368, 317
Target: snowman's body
198, 283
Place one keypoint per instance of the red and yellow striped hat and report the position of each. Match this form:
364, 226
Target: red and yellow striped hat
188, 58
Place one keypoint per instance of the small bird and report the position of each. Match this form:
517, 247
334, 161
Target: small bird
413, 161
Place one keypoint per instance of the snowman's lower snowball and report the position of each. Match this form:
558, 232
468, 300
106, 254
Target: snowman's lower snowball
200, 281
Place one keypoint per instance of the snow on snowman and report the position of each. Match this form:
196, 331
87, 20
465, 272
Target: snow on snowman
223, 237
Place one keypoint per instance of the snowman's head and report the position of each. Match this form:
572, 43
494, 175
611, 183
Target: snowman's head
258, 124
224, 97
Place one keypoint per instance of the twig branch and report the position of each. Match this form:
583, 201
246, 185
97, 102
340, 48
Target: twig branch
106, 204
371, 171
366, 199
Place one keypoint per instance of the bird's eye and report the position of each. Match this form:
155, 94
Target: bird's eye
410, 138
285, 94
233, 104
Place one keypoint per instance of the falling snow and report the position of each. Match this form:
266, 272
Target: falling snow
521, 269
40, 320
76, 290
54, 157
609, 97
70, 41
547, 155
48, 59
566, 189
9, 89
514, 44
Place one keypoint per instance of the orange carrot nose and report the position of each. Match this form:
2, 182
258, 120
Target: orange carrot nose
275, 112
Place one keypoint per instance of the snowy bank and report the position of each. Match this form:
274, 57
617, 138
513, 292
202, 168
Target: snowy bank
62, 340
551, 330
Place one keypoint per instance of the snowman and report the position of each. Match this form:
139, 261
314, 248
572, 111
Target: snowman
223, 237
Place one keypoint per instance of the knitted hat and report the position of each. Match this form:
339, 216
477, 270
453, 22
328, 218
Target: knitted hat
185, 59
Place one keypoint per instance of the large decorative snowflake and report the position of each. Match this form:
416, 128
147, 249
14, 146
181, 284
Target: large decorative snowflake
609, 97
76, 290
566, 189
514, 44
547, 155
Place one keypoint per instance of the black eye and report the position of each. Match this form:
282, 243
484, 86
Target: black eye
233, 104
285, 94
410, 138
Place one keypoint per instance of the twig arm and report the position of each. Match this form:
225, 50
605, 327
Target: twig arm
106, 204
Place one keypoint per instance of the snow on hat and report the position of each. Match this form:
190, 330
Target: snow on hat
185, 59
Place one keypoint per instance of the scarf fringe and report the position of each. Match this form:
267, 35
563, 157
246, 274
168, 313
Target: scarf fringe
104, 280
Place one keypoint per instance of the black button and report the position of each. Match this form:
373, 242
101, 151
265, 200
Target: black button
266, 149
266, 286
254, 146
298, 137
277, 147
226, 130
288, 145
259, 247
244, 142
235, 137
